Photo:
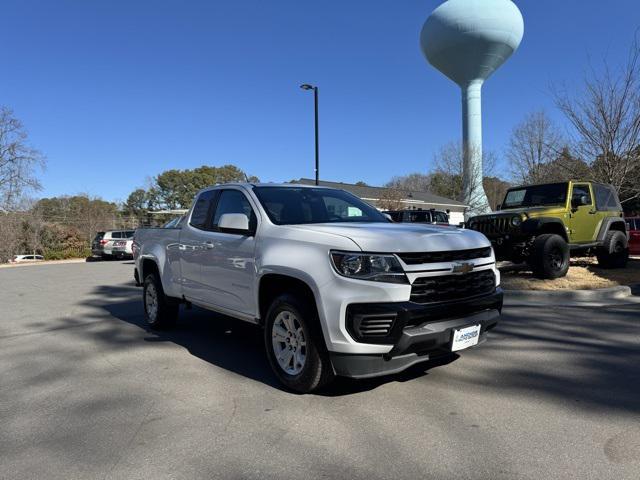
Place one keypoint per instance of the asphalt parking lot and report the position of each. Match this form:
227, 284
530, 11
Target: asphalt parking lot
86, 391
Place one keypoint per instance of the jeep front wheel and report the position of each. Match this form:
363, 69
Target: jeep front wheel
549, 257
614, 253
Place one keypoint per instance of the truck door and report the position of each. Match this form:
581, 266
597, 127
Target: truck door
583, 217
228, 264
192, 246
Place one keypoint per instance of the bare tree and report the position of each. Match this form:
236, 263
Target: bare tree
446, 178
605, 115
416, 182
18, 161
391, 199
534, 144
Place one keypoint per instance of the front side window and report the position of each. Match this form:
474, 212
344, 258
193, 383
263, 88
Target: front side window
580, 191
536, 196
233, 201
306, 205
200, 213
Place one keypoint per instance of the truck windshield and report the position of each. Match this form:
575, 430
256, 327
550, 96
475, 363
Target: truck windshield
304, 205
536, 195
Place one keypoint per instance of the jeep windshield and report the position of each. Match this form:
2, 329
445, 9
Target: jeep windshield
304, 205
536, 196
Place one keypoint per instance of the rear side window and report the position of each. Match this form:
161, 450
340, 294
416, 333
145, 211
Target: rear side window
440, 217
116, 234
233, 201
606, 198
201, 209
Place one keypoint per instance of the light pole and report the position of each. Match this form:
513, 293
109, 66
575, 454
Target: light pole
306, 86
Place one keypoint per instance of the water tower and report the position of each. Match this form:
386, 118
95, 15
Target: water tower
467, 40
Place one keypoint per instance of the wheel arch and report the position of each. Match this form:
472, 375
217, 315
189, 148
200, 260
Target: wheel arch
539, 226
273, 284
148, 265
612, 223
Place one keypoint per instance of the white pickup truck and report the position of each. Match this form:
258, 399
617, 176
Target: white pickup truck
338, 288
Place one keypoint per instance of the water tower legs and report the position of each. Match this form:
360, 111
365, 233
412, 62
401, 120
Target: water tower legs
472, 188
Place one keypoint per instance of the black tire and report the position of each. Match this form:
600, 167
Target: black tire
549, 256
316, 371
165, 313
614, 253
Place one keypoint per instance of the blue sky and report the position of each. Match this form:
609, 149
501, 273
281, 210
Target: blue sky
114, 92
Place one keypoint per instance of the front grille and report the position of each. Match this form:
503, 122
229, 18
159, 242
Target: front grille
452, 287
492, 226
437, 257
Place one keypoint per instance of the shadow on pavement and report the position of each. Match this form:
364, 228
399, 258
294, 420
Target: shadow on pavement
227, 343
583, 355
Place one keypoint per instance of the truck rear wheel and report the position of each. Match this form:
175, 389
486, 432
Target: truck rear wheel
295, 346
159, 310
549, 257
614, 253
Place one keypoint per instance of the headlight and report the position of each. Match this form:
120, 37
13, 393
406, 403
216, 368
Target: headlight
363, 266
516, 221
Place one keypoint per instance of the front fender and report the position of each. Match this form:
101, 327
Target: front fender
532, 226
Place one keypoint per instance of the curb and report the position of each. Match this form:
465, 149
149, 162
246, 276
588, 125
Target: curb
44, 262
601, 296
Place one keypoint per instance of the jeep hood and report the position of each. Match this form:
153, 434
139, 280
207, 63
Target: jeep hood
402, 237
530, 211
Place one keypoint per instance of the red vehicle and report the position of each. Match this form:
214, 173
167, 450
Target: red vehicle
633, 224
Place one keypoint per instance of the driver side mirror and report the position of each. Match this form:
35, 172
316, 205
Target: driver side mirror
580, 201
234, 223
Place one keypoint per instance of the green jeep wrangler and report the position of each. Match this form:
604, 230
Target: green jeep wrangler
544, 224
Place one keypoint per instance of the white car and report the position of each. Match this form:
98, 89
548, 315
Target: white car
26, 258
338, 288
113, 243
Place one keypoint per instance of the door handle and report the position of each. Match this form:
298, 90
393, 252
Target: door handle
592, 212
208, 245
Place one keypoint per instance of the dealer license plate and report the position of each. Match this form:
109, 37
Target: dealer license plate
465, 338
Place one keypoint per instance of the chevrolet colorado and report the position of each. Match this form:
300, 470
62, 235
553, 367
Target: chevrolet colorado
337, 287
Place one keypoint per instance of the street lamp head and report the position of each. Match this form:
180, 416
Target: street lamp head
306, 86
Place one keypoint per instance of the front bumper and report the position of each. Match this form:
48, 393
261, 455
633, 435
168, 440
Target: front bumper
419, 333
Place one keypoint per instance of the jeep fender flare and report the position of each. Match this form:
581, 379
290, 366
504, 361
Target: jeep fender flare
612, 223
535, 226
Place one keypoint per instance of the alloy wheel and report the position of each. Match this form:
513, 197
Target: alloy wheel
289, 342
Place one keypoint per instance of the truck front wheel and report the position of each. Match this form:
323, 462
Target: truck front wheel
159, 311
295, 346
549, 257
614, 253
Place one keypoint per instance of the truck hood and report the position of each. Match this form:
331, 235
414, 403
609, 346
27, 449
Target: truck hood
402, 237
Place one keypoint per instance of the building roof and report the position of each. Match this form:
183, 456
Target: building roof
374, 193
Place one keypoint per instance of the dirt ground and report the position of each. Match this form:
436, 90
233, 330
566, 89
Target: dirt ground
584, 274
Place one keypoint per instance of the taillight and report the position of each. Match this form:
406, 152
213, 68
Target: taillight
103, 242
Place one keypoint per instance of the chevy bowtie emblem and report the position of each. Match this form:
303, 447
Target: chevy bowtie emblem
462, 267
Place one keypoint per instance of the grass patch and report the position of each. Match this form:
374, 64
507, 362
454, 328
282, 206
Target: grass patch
584, 274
